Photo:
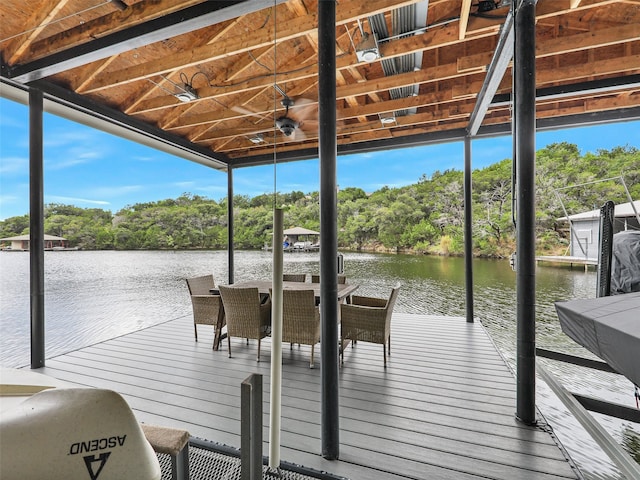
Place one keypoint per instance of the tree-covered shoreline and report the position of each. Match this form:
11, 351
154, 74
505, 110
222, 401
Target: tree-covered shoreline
425, 217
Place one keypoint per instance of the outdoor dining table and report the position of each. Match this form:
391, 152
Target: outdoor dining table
263, 286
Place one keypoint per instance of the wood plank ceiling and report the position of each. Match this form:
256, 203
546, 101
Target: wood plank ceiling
407, 71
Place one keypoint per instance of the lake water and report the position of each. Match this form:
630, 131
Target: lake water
94, 296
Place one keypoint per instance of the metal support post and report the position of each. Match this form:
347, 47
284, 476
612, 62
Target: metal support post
230, 250
251, 427
468, 239
328, 228
36, 227
524, 71
180, 464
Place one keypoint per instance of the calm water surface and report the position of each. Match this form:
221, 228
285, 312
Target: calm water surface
94, 296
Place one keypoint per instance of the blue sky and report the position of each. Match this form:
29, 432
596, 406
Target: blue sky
92, 169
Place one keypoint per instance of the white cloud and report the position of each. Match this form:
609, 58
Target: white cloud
117, 191
17, 164
143, 158
213, 189
186, 185
73, 200
72, 147
8, 199
8, 121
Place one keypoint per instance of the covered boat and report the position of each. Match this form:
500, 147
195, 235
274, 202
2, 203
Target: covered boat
608, 327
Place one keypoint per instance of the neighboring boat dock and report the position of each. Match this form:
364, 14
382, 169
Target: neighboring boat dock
581, 261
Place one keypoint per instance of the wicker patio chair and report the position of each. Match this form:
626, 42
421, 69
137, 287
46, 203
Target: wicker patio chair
294, 277
246, 316
300, 319
367, 319
207, 308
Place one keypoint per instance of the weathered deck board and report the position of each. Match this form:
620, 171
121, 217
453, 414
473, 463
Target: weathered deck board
444, 407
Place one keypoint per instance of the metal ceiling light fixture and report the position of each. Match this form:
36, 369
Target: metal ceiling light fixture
188, 94
257, 138
387, 118
367, 49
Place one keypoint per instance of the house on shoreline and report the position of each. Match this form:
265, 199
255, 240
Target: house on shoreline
20, 243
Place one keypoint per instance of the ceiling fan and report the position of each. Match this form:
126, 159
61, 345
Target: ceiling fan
285, 124
290, 125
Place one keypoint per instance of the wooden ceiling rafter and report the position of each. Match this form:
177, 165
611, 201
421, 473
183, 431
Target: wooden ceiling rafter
433, 40
174, 77
461, 119
260, 38
465, 9
41, 17
121, 19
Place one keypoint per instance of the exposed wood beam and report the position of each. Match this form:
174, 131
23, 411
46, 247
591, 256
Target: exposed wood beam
372, 131
433, 74
356, 111
293, 29
177, 23
560, 7
565, 44
134, 14
43, 14
429, 40
624, 65
465, 9
214, 34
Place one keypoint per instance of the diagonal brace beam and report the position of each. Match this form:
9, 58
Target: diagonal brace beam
498, 66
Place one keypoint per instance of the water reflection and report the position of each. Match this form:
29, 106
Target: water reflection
93, 296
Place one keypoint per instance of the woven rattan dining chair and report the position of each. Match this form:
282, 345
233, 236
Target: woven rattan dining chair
294, 277
207, 308
367, 319
246, 317
300, 319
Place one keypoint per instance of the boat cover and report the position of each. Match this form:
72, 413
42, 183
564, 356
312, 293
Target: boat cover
625, 262
608, 327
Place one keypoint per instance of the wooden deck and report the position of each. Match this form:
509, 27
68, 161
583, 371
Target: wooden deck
443, 409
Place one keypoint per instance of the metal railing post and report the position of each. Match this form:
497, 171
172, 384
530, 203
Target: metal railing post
251, 427
36, 226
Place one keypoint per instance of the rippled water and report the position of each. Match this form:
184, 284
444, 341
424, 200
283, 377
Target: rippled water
94, 296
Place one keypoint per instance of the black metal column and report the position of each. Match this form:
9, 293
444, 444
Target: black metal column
328, 228
230, 249
524, 71
36, 227
468, 239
